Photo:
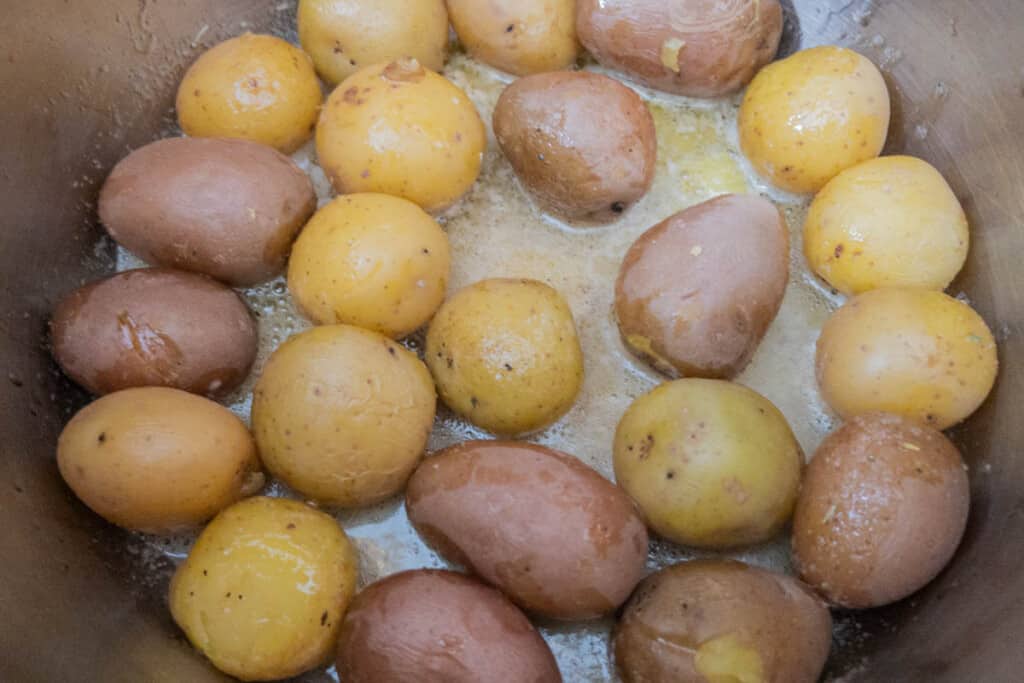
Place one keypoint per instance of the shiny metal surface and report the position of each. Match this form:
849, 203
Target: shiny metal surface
84, 82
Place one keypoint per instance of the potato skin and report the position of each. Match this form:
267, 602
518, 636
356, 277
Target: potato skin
157, 460
887, 222
154, 327
264, 589
882, 510
401, 129
701, 48
917, 353
722, 620
711, 464
505, 355
343, 36
254, 87
436, 626
554, 535
226, 208
342, 414
370, 260
583, 144
697, 292
518, 36
811, 115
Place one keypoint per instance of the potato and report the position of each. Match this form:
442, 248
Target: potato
887, 222
518, 36
917, 353
435, 626
554, 535
581, 143
344, 35
264, 589
154, 327
721, 621
882, 510
700, 48
712, 464
342, 415
254, 87
157, 460
226, 208
505, 355
697, 292
404, 130
806, 118
370, 260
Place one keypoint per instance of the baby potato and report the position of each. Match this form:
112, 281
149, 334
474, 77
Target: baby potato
373, 261
697, 292
264, 589
436, 626
882, 508
255, 87
401, 129
712, 464
342, 415
700, 48
154, 327
917, 353
505, 355
807, 117
581, 143
887, 222
157, 460
343, 36
721, 621
518, 36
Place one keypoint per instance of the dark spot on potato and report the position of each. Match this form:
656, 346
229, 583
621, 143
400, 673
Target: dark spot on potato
671, 474
508, 367
18, 489
618, 207
337, 48
323, 618
646, 446
510, 28
254, 83
838, 250
291, 525
204, 573
450, 362
228, 594
474, 401
102, 438
351, 95
352, 62
196, 92
427, 251
316, 391
391, 350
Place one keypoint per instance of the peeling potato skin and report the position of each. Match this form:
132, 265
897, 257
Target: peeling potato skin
697, 292
883, 506
700, 48
437, 626
155, 327
581, 143
778, 630
554, 535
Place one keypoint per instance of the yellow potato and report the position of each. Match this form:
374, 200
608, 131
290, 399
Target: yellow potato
505, 355
519, 36
401, 129
373, 261
263, 591
255, 87
157, 459
343, 36
913, 352
887, 222
711, 464
809, 116
342, 414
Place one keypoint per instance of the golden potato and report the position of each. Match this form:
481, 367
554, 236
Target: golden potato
912, 352
157, 459
370, 260
255, 87
809, 116
518, 36
342, 36
712, 464
264, 590
404, 130
505, 355
887, 222
342, 414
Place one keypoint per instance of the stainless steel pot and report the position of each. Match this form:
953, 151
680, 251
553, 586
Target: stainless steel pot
82, 83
